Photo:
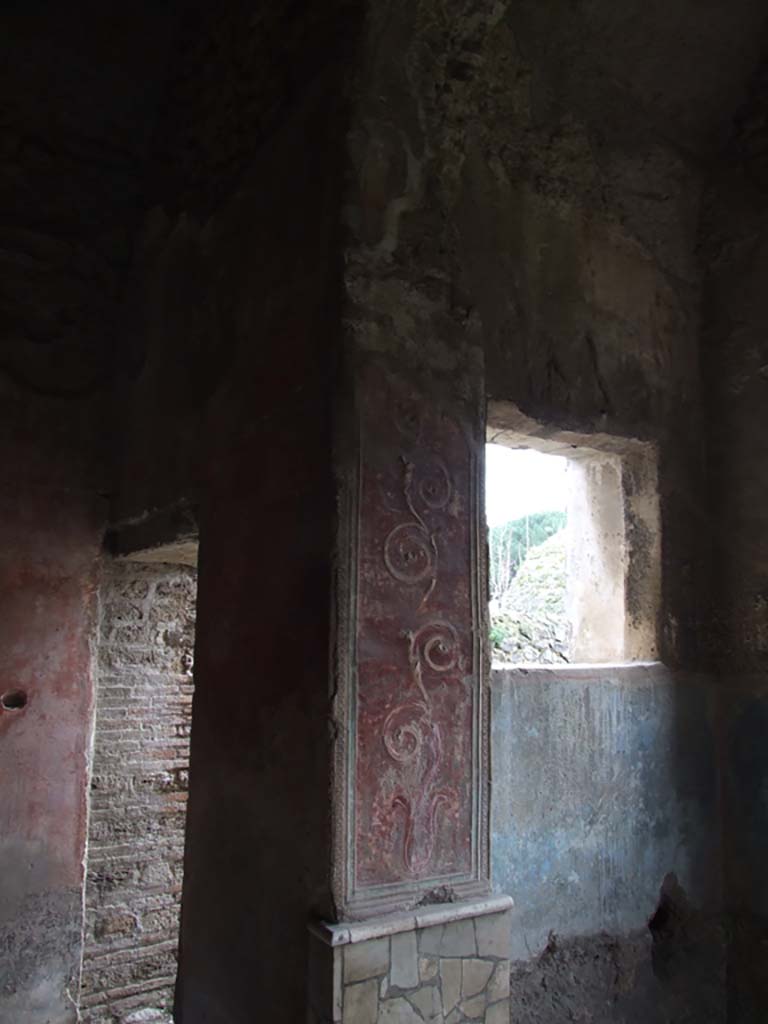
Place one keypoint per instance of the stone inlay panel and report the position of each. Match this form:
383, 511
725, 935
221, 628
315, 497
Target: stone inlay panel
415, 714
450, 972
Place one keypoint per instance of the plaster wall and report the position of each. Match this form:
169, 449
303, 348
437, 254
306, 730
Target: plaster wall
77, 116
522, 187
604, 782
545, 220
540, 215
605, 793
236, 287
734, 249
258, 825
48, 562
509, 200
596, 559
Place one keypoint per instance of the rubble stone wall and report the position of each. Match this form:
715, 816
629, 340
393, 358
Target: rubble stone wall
138, 789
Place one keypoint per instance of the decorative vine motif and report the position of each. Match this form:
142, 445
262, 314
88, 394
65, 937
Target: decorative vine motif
410, 555
413, 739
417, 700
410, 549
435, 645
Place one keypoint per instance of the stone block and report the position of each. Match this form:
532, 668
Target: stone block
428, 1003
454, 939
407, 974
364, 960
498, 1013
493, 936
474, 1008
430, 941
458, 939
361, 1002
498, 986
396, 1011
404, 961
474, 976
450, 979
428, 968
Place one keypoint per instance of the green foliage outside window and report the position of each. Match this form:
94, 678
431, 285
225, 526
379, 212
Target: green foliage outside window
528, 587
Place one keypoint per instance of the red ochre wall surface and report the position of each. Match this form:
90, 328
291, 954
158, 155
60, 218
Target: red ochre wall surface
50, 542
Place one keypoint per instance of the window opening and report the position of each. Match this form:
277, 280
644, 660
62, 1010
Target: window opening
526, 508
573, 544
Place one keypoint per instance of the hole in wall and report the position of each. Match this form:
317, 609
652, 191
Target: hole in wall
13, 700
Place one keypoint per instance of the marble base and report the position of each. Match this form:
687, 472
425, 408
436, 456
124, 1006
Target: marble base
445, 964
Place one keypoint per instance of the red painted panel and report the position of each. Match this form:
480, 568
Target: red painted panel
49, 545
416, 677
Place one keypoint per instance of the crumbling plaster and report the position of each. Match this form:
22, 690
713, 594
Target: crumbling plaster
558, 240
506, 201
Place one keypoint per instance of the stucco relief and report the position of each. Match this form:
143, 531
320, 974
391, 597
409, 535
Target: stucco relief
416, 712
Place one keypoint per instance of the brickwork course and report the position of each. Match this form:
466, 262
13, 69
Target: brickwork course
138, 791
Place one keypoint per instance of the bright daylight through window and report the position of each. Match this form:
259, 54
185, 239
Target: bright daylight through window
526, 508
574, 548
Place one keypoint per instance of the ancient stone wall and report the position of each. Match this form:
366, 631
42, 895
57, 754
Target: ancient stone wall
521, 185
497, 202
605, 781
507, 194
138, 789
77, 113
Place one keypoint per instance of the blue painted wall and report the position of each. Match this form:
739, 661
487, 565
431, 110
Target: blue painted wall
603, 782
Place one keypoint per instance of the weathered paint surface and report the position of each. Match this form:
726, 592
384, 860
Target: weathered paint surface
47, 563
604, 783
418, 681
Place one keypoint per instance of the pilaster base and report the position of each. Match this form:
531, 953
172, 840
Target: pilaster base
444, 964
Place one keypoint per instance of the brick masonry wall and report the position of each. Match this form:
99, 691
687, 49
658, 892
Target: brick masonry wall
138, 791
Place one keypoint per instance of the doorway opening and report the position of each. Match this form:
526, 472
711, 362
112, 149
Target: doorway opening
138, 791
